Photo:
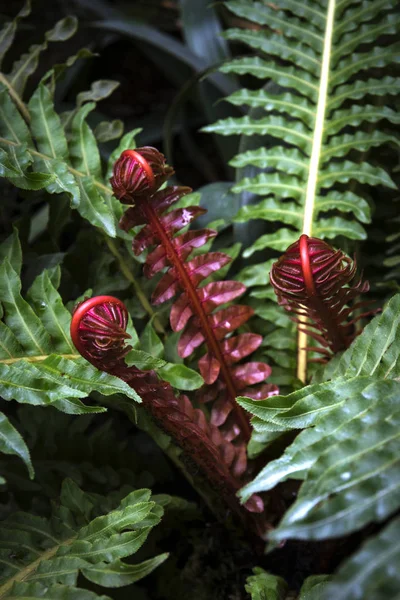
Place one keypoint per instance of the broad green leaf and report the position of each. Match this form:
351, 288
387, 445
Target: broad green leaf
94, 208
150, 342
84, 152
28, 591
48, 304
181, 377
46, 124
372, 572
178, 375
377, 350
313, 587
20, 317
12, 125
332, 426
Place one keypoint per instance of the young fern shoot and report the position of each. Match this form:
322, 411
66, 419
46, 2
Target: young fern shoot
309, 280
331, 63
98, 330
137, 176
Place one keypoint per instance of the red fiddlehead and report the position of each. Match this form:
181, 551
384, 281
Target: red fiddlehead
194, 311
310, 279
98, 330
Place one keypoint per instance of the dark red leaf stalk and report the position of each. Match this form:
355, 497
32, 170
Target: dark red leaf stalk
315, 280
136, 178
98, 330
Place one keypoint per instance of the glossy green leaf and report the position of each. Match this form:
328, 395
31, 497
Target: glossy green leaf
178, 375
11, 442
11, 249
376, 351
181, 377
372, 572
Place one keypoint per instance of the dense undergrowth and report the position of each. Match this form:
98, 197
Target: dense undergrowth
217, 447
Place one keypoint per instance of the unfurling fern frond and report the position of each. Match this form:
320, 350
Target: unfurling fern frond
98, 330
330, 60
87, 534
309, 280
194, 312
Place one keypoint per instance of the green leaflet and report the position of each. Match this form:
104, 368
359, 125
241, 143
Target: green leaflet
320, 45
262, 585
178, 375
313, 587
11, 442
376, 351
51, 553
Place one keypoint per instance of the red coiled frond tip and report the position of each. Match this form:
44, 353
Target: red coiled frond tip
138, 173
314, 280
98, 330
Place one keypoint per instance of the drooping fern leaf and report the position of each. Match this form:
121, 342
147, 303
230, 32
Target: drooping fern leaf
330, 60
347, 455
87, 534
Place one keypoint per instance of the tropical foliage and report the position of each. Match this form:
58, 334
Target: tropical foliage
171, 389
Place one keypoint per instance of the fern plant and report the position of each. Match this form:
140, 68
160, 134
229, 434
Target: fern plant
346, 455
330, 62
323, 456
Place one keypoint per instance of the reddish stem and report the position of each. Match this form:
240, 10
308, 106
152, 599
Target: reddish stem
197, 308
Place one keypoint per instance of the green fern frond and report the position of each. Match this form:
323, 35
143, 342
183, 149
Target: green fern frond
347, 454
40, 149
45, 556
311, 118
332, 110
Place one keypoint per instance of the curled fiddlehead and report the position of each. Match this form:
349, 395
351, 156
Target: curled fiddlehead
136, 178
98, 330
313, 280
